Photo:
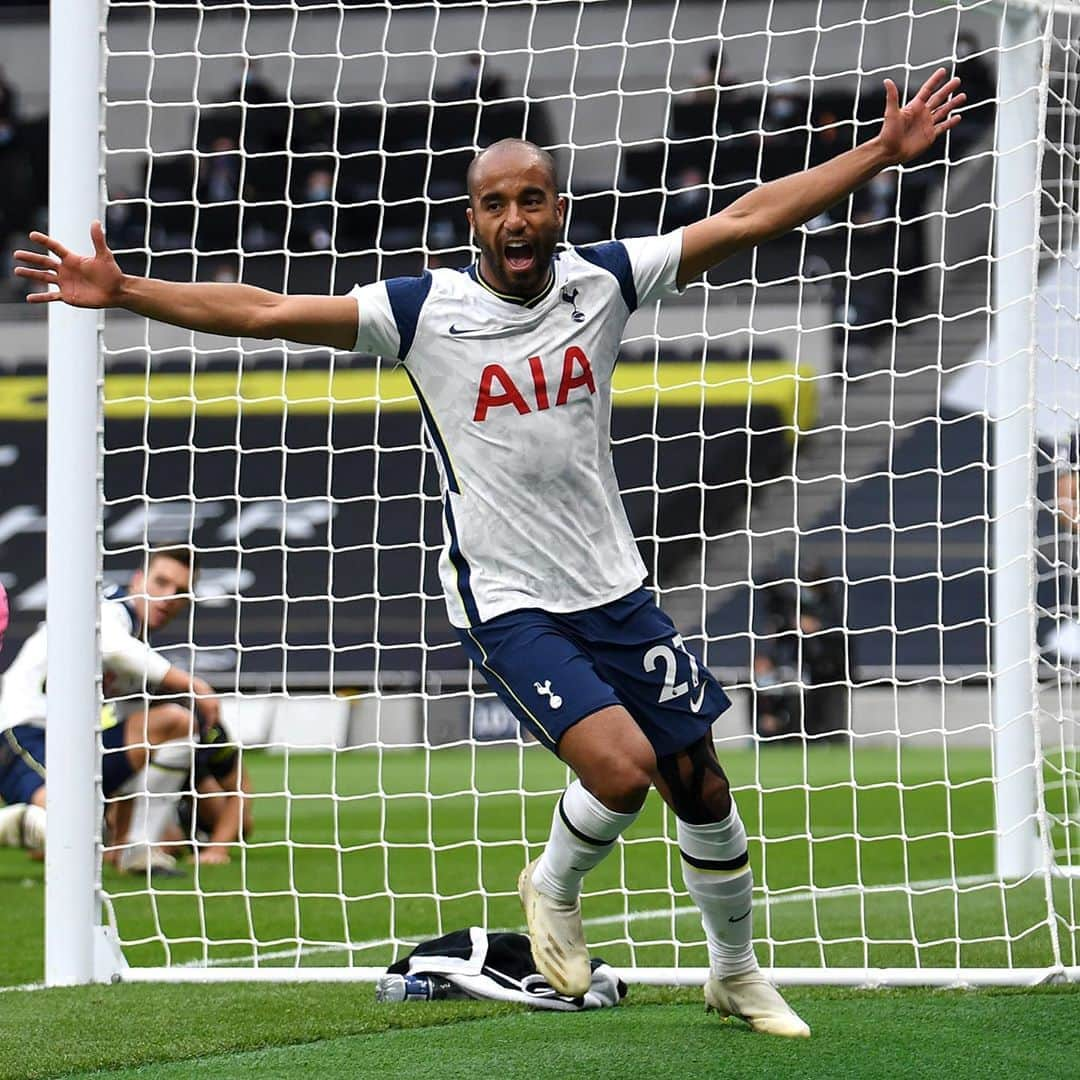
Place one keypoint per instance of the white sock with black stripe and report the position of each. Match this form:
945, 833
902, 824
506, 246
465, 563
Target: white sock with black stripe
583, 832
717, 873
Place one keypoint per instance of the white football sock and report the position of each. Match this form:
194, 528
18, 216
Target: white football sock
583, 832
718, 877
158, 788
22, 825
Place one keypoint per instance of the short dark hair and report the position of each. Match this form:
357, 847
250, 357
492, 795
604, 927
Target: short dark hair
545, 159
181, 553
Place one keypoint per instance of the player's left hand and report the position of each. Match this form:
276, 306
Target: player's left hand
908, 131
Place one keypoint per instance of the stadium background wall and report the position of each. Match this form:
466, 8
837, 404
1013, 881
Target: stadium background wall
407, 75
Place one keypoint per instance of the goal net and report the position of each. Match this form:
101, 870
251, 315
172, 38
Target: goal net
848, 458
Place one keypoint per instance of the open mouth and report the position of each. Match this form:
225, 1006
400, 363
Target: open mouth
519, 255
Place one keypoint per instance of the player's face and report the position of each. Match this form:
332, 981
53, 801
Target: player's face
165, 587
516, 216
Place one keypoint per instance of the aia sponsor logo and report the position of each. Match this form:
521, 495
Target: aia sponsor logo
498, 389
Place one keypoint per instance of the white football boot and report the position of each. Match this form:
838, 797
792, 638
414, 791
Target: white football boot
557, 937
142, 857
751, 997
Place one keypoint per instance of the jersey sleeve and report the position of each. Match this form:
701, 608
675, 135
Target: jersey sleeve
654, 262
388, 314
130, 660
377, 331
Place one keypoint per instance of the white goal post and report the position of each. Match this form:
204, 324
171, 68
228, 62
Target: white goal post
907, 884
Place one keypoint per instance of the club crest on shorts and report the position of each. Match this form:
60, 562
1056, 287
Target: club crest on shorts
544, 690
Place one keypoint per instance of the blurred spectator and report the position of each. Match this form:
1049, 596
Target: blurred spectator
785, 105
253, 87
825, 663
875, 290
224, 272
777, 709
125, 221
785, 146
979, 82
219, 172
875, 205
314, 218
689, 199
475, 82
829, 138
9, 112
806, 624
22, 191
218, 192
978, 77
255, 113
712, 76
826, 143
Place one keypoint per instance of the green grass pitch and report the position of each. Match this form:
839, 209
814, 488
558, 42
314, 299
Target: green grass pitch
832, 827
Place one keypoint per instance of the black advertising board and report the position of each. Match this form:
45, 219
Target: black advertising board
319, 528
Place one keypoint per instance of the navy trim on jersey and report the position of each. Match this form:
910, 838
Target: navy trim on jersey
613, 258
407, 296
120, 593
474, 272
436, 439
461, 566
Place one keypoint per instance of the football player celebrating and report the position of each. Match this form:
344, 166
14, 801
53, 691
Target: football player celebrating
512, 363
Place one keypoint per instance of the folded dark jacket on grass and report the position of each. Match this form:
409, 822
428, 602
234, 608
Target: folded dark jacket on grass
500, 967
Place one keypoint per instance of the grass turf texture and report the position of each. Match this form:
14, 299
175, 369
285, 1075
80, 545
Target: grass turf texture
831, 818
241, 1030
372, 861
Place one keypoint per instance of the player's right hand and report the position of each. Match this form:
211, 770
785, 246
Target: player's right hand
86, 281
209, 703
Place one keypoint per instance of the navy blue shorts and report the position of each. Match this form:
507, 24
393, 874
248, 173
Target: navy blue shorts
553, 670
115, 767
22, 761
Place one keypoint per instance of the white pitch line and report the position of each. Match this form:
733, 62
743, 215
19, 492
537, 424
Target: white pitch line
832, 892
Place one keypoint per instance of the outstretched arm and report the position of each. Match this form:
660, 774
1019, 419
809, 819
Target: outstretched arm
95, 281
778, 207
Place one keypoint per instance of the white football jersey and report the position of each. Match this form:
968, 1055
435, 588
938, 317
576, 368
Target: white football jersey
128, 666
516, 399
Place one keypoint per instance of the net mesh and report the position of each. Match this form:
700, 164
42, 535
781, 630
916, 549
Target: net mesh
1057, 416
801, 443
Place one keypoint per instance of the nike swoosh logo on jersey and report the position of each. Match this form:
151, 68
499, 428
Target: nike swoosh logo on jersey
695, 704
464, 330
